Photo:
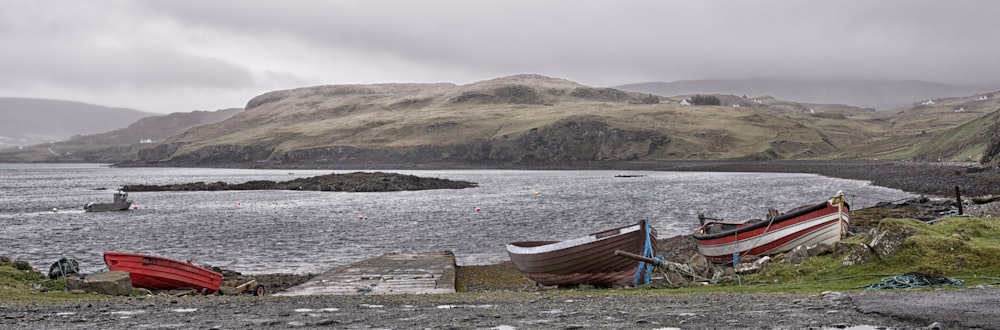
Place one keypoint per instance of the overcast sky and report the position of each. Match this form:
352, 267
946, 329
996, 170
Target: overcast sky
180, 56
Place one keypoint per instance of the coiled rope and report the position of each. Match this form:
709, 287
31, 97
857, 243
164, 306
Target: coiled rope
913, 280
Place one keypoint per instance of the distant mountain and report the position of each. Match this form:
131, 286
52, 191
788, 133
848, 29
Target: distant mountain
878, 94
155, 129
117, 145
26, 121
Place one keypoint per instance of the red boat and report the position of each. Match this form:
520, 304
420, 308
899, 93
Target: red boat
826, 222
589, 259
158, 273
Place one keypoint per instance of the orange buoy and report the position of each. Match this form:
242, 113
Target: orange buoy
135, 207
477, 210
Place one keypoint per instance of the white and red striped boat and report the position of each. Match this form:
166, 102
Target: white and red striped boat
826, 222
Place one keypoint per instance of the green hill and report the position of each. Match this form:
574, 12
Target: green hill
524, 118
534, 120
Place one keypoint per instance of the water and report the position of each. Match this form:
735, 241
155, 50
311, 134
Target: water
258, 232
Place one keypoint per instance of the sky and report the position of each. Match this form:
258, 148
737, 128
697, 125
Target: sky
181, 56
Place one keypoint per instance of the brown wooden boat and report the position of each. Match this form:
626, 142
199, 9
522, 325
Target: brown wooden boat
589, 259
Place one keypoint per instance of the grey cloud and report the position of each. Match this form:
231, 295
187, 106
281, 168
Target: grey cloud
256, 45
143, 68
74, 46
679, 40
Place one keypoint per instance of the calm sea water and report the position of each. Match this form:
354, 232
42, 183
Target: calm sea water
257, 232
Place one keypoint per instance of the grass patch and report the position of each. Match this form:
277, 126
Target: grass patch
20, 286
959, 247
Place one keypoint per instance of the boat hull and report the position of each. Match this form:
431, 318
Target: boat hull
822, 223
105, 207
589, 259
158, 273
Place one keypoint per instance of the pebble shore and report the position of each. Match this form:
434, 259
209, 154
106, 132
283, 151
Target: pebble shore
600, 309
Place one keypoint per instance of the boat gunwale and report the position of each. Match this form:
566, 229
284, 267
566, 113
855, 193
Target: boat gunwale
517, 248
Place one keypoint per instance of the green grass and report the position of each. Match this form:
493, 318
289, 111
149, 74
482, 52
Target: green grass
19, 286
959, 247
309, 118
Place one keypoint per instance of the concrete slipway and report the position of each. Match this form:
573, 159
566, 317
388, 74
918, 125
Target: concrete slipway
391, 273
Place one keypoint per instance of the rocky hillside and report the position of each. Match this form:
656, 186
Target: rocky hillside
117, 145
524, 118
532, 119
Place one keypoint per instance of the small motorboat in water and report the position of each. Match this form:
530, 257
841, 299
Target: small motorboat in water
120, 203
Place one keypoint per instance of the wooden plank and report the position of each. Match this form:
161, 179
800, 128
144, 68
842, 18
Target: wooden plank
391, 273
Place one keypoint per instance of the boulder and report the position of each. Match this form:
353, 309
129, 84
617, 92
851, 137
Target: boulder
112, 283
797, 255
860, 254
752, 267
884, 243
819, 249
700, 266
676, 280
840, 249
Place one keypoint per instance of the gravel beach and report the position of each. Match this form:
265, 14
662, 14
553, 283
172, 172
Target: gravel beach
972, 308
516, 304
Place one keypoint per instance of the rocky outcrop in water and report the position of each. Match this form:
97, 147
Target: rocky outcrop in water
350, 182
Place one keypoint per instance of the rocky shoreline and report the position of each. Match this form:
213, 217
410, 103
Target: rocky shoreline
495, 297
926, 178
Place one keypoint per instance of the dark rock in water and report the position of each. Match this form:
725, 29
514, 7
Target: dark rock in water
350, 182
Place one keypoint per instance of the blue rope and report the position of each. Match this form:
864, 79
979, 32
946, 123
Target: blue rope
646, 268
